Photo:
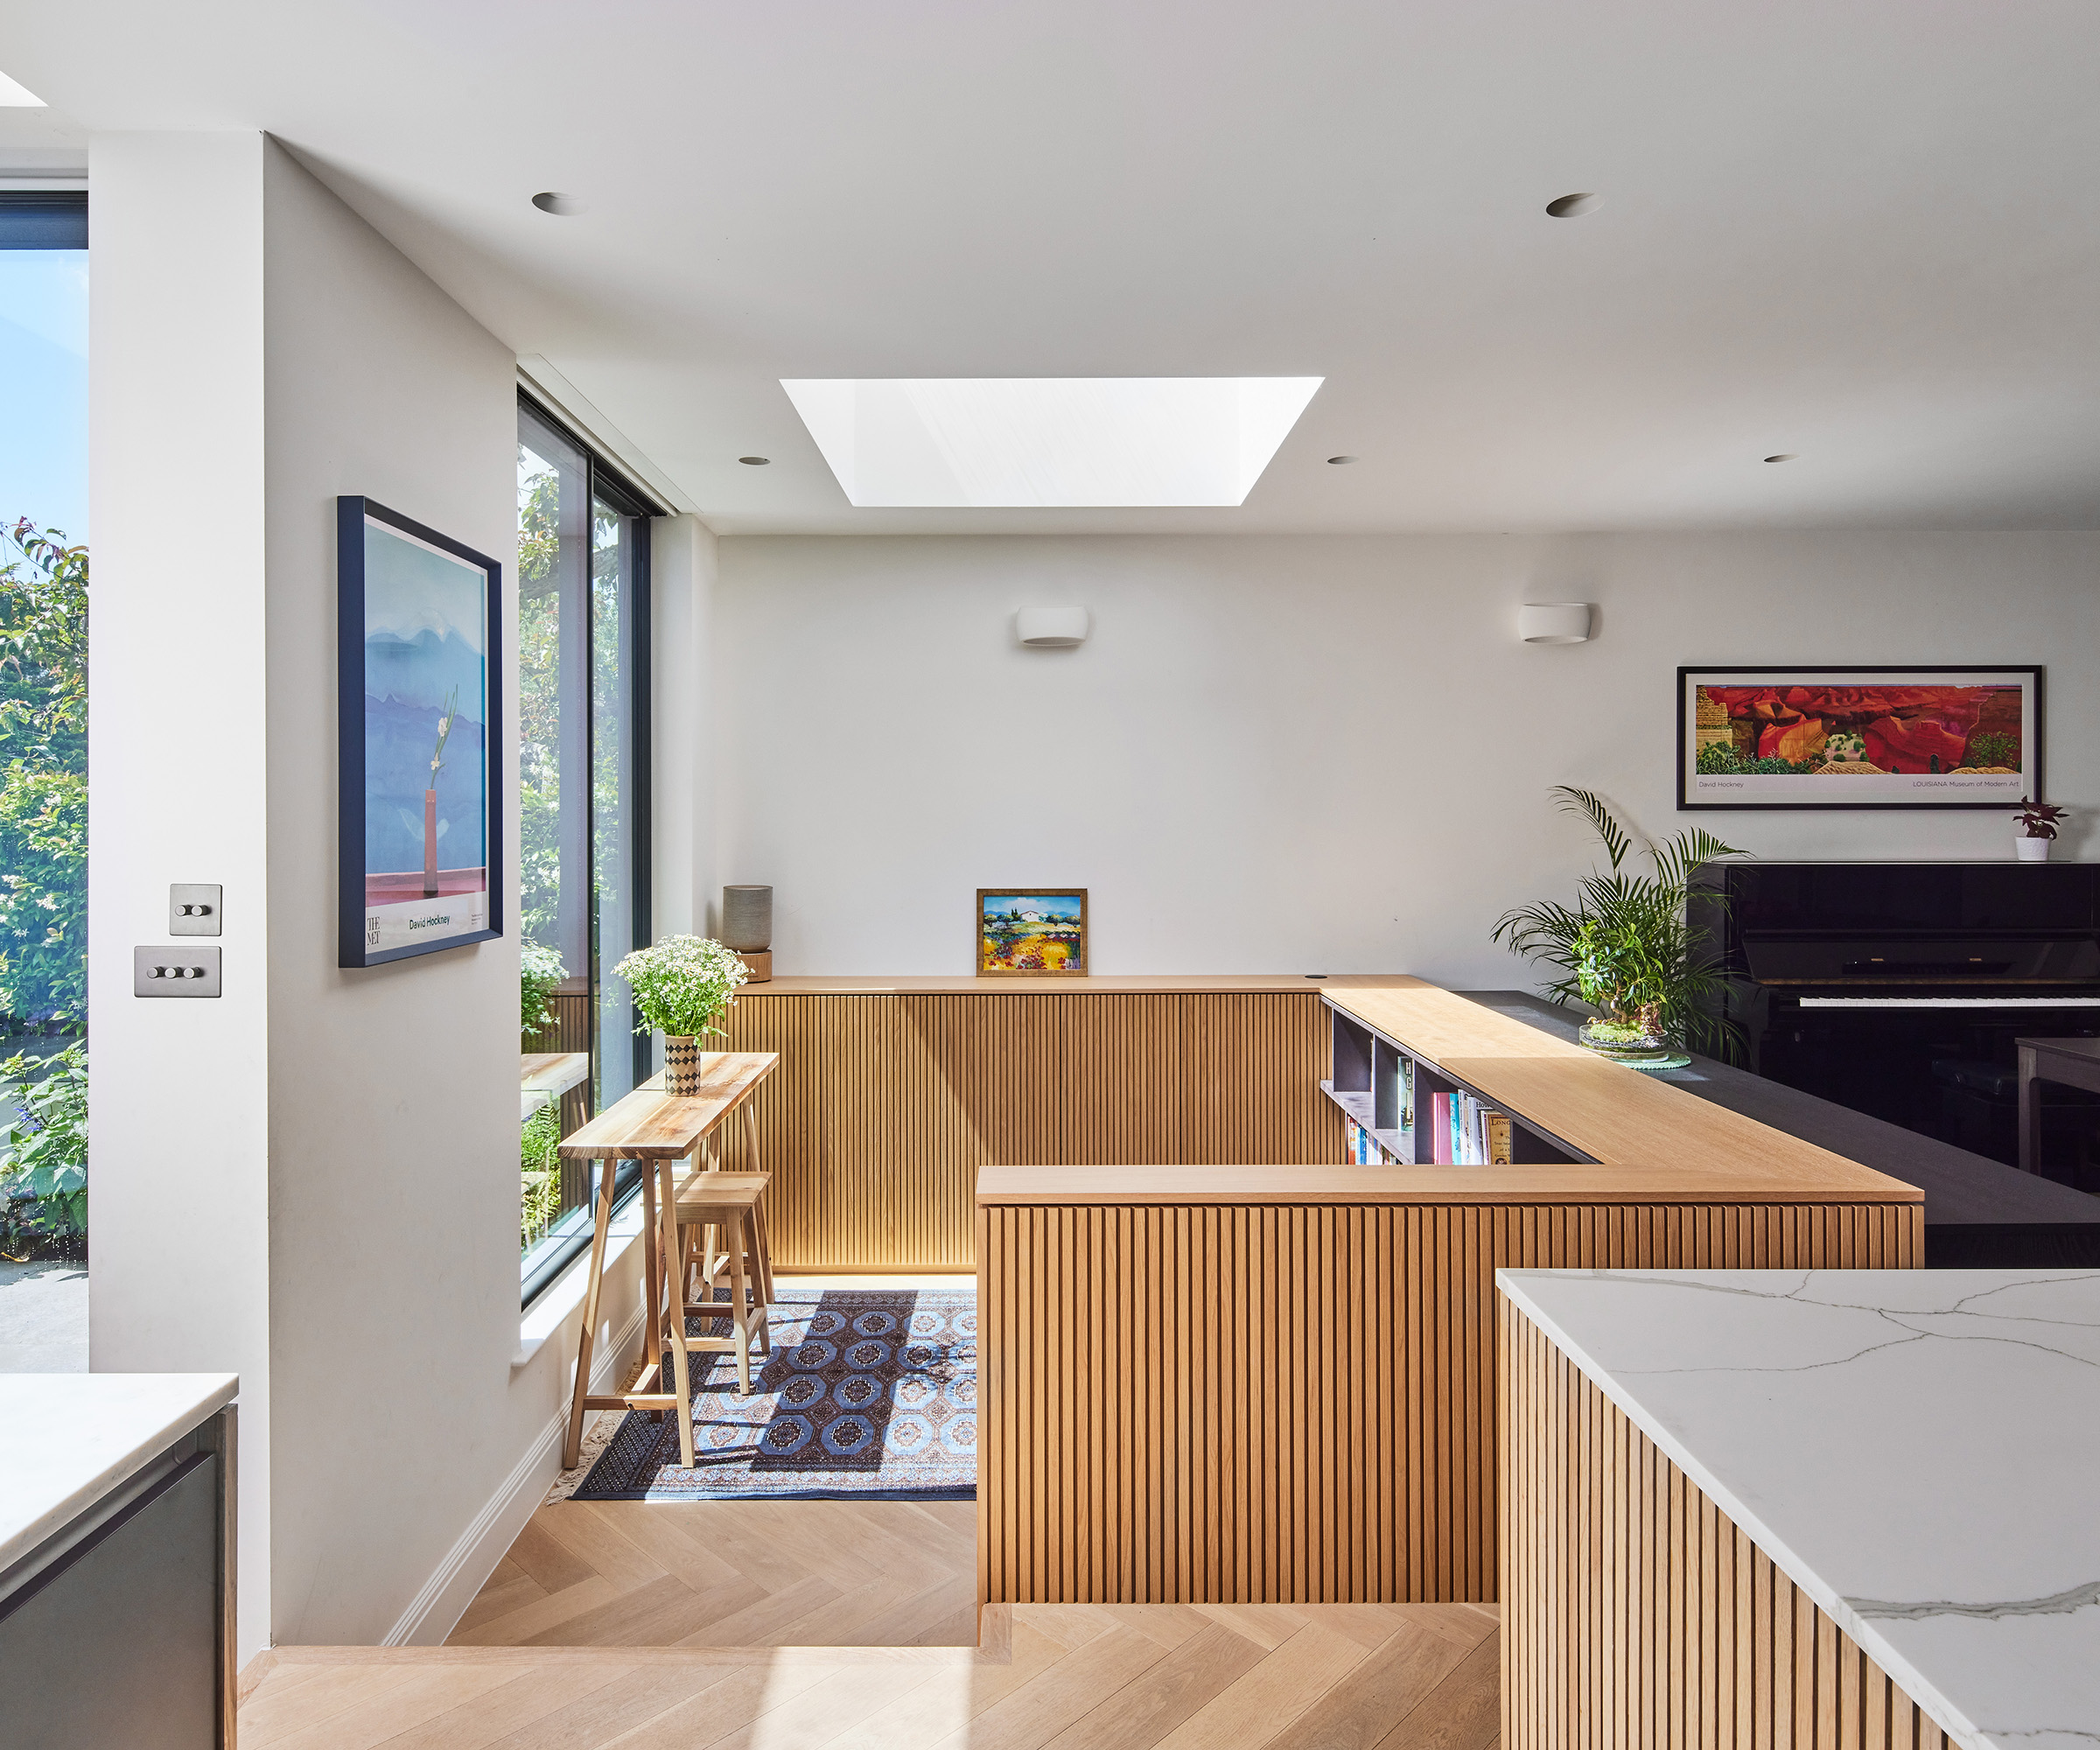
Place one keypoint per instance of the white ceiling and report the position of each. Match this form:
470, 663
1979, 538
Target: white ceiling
1868, 232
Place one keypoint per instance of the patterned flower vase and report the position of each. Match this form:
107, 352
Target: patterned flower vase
681, 1065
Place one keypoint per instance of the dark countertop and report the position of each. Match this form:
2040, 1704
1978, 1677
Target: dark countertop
1961, 1190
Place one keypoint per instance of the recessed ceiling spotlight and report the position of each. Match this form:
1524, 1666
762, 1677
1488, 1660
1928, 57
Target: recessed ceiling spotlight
562, 206
1785, 456
756, 461
1572, 206
1339, 461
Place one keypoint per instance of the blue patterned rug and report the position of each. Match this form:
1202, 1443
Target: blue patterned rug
869, 1392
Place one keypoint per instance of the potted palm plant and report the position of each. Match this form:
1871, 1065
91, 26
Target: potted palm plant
1626, 948
681, 987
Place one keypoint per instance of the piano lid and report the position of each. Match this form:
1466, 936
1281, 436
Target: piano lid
1822, 960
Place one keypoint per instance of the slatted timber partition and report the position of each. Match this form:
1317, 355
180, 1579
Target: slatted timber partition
1634, 1612
888, 1101
1279, 1384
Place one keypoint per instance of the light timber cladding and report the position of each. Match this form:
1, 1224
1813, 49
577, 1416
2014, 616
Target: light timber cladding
1634, 1612
1280, 1385
887, 1101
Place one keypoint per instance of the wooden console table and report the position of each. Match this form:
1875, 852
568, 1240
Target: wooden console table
1277, 1384
651, 1127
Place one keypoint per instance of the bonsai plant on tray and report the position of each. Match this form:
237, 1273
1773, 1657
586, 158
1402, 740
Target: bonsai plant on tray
1626, 946
681, 986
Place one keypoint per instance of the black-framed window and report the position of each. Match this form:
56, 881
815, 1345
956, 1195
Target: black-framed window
44, 710
583, 781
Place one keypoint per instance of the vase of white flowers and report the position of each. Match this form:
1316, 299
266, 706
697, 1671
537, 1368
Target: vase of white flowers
681, 987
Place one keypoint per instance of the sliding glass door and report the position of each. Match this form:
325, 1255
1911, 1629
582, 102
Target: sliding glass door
582, 790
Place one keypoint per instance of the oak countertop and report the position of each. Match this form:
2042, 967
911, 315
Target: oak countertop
1651, 1142
1036, 1185
1037, 984
1645, 1135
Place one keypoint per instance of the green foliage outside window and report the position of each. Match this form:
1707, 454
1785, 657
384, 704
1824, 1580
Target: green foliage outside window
42, 781
44, 1149
540, 970
539, 699
539, 1171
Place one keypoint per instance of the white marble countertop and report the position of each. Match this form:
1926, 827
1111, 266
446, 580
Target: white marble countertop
1916, 1449
67, 1438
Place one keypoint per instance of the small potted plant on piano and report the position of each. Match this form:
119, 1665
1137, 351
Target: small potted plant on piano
2037, 829
681, 986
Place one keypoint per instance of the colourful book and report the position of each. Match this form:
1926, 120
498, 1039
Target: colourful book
1441, 1128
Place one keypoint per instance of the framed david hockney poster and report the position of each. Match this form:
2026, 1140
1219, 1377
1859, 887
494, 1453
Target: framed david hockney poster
417, 680
1871, 738
1028, 933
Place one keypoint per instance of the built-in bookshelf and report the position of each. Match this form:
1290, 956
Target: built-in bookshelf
1399, 1102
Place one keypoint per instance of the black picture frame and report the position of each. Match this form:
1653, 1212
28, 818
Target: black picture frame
358, 942
1953, 790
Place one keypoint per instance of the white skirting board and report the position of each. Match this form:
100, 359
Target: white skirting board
432, 1612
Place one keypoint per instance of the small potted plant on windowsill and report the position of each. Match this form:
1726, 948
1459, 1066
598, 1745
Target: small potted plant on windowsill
2037, 830
681, 986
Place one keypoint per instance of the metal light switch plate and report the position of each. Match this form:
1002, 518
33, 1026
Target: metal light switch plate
194, 907
175, 972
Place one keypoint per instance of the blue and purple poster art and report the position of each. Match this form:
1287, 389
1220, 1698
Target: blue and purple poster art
426, 802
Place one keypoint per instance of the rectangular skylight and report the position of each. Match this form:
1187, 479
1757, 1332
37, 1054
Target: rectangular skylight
1031, 442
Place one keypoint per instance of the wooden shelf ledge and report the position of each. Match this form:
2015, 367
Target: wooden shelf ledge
1036, 1186
1198, 984
1649, 1138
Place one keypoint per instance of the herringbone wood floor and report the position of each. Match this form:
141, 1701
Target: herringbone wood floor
1071, 1676
734, 1573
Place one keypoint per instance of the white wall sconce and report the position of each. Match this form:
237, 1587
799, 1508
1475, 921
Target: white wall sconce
1058, 627
1554, 622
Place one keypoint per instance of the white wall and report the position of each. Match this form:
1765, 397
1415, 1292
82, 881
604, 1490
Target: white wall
682, 568
313, 1180
1304, 754
179, 1268
394, 1302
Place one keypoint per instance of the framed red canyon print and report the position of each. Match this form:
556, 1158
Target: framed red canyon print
1858, 737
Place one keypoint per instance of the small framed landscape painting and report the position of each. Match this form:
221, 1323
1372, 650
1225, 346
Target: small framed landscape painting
416, 691
1858, 737
1032, 932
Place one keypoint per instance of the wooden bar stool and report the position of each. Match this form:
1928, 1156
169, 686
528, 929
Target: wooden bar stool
722, 1229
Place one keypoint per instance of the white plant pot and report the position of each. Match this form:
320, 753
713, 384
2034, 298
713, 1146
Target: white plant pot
2032, 849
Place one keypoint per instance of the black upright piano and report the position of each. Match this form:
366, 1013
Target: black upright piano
1898, 989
